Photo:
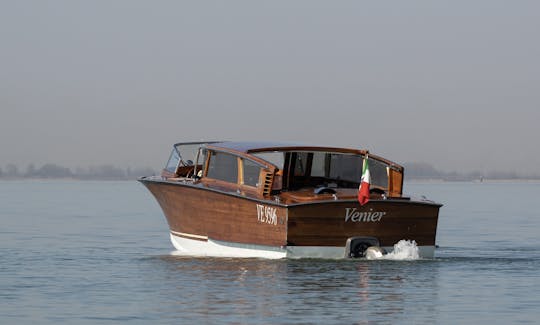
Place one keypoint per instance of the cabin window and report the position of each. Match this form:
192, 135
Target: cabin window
345, 167
223, 166
251, 173
334, 166
378, 173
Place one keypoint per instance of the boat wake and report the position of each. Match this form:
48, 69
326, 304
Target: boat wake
404, 250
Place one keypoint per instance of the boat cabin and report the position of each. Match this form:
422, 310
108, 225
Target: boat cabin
291, 172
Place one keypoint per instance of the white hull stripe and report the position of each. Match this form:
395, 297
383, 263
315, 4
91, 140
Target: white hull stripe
201, 246
183, 234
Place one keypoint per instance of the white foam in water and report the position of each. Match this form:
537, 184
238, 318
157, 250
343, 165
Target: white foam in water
404, 250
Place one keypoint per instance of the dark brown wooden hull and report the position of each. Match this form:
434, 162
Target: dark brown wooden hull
332, 223
198, 212
194, 210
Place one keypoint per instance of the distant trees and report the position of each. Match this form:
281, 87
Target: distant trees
12, 170
426, 171
49, 170
104, 172
413, 170
112, 172
421, 171
30, 170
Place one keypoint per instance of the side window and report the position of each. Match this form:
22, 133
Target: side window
378, 173
223, 166
251, 173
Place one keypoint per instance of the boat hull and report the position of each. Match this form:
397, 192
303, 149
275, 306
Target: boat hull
208, 222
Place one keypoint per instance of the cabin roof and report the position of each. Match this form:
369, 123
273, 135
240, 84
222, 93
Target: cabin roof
251, 147
254, 146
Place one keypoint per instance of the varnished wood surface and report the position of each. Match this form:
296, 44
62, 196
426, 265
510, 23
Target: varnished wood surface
395, 182
325, 225
218, 216
307, 195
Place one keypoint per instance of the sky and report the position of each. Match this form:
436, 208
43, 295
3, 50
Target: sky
455, 84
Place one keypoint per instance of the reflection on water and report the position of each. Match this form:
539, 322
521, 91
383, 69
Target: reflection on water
299, 291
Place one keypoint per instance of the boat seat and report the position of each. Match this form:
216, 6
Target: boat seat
184, 170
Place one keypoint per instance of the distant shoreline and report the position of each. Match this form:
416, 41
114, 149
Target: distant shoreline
415, 172
491, 180
54, 171
70, 179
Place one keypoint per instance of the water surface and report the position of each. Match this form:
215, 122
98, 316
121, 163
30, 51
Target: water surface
98, 253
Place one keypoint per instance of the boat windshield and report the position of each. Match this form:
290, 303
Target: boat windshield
183, 154
303, 168
188, 152
172, 163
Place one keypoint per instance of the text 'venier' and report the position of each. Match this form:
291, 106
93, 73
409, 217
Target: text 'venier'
352, 214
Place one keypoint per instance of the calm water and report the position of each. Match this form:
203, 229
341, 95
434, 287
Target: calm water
98, 253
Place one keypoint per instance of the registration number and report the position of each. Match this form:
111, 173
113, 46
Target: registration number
266, 214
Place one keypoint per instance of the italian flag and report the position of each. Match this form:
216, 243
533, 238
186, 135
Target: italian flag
363, 189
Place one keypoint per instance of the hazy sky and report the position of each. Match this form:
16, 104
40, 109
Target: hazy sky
452, 83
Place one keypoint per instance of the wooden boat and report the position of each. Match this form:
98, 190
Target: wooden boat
276, 200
